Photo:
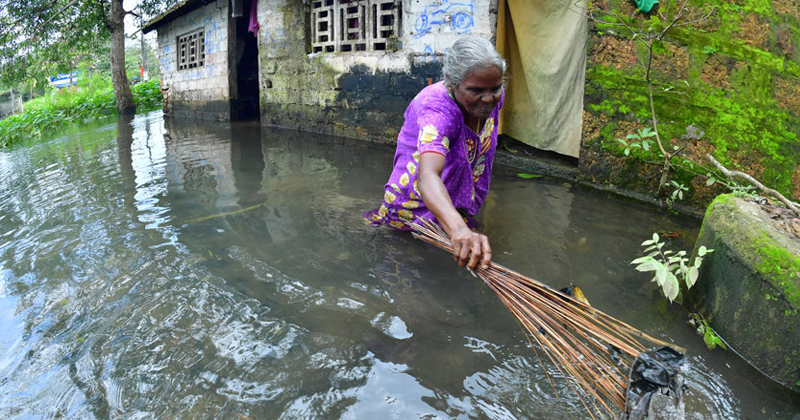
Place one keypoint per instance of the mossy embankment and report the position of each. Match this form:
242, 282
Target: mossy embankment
749, 288
726, 82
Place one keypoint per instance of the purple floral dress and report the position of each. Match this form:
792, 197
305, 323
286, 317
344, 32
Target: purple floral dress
434, 123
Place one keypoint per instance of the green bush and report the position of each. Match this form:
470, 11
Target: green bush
93, 99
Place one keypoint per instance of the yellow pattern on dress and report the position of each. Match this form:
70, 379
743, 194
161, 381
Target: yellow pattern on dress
399, 225
396, 188
404, 179
389, 197
406, 215
411, 167
428, 134
486, 135
415, 155
446, 143
411, 204
416, 189
382, 211
477, 172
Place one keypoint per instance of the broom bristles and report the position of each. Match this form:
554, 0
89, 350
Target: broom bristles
592, 350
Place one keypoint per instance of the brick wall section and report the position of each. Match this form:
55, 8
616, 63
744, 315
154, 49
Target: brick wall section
201, 92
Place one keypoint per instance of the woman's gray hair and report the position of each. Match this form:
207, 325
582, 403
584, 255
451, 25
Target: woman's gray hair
466, 55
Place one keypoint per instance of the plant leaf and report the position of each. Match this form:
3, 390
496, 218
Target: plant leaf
661, 274
671, 287
691, 279
712, 340
528, 176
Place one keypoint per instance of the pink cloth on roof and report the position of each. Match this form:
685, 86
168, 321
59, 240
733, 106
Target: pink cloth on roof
434, 123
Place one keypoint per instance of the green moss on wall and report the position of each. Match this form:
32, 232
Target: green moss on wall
717, 77
781, 266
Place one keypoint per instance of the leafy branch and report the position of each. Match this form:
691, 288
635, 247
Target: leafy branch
668, 265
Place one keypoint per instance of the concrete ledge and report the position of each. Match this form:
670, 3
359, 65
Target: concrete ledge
749, 287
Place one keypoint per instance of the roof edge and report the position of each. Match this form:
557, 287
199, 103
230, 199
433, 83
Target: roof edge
177, 10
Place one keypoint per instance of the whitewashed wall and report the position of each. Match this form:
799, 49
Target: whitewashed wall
206, 83
431, 27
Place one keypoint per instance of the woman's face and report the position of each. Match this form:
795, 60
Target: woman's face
480, 92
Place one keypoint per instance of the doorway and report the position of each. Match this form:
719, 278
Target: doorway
245, 106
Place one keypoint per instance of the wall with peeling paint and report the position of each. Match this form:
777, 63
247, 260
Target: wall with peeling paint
357, 94
202, 92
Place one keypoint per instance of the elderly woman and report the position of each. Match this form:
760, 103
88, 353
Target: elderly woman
445, 150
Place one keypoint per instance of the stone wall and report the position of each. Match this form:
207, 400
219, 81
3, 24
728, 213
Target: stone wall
749, 287
201, 92
727, 83
356, 94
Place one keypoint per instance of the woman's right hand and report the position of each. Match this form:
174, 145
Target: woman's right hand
471, 248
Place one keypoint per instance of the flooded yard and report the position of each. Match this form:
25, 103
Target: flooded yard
168, 269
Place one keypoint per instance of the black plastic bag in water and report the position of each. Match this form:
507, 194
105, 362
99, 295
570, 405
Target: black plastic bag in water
654, 371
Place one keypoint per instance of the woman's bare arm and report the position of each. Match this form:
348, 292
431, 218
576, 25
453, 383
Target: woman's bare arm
469, 248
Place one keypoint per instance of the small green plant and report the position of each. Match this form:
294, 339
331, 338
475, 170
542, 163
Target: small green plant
668, 265
743, 191
638, 140
679, 189
709, 49
710, 338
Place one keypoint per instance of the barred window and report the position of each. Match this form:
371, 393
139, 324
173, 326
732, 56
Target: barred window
192, 49
355, 25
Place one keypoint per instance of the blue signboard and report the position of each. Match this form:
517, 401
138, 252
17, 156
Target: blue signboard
63, 79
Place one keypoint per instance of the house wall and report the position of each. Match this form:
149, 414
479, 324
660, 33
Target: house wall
355, 94
202, 92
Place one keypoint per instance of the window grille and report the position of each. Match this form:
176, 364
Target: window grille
192, 50
355, 25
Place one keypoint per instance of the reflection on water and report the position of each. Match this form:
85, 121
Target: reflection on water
156, 269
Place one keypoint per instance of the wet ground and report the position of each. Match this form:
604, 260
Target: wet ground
165, 269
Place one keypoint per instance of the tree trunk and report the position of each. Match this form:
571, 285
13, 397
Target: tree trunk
119, 78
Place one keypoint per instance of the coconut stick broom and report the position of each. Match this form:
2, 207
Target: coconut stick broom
592, 350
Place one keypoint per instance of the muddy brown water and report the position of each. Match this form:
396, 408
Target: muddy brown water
166, 269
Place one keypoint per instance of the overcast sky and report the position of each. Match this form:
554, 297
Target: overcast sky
132, 26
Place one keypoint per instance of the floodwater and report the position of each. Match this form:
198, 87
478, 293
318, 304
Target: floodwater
159, 269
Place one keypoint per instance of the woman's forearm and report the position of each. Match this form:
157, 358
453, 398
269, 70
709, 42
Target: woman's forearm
437, 200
